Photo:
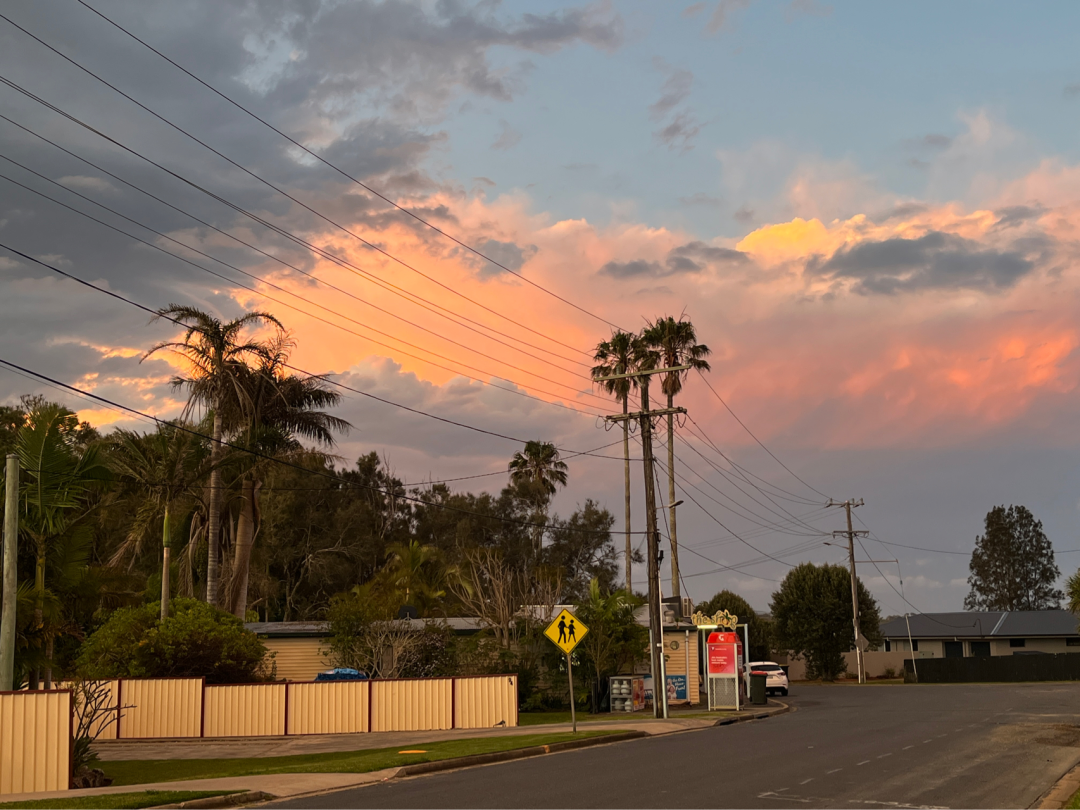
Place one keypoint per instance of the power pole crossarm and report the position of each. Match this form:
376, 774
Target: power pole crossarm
851, 534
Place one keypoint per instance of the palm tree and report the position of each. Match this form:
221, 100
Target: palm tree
215, 351
538, 472
164, 468
676, 343
276, 408
417, 572
621, 355
60, 474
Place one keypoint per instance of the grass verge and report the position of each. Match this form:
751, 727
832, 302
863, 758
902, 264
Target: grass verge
1074, 802
121, 801
545, 718
143, 771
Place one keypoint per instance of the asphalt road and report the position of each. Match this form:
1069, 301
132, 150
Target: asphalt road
955, 745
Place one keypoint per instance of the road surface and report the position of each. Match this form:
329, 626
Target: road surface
957, 745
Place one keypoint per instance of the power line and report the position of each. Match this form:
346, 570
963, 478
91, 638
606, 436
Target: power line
305, 312
325, 162
155, 314
280, 461
409, 296
268, 184
755, 438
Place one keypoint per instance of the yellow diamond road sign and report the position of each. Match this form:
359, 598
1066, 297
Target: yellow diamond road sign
566, 631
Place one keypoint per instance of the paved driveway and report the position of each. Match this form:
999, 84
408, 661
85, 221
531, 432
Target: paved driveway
845, 746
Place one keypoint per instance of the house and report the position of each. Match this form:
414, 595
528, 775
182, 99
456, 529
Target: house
300, 647
983, 633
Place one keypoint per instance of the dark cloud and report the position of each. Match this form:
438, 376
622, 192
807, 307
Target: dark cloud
702, 199
934, 261
674, 92
1072, 90
744, 216
904, 210
933, 141
507, 254
682, 126
693, 257
1014, 215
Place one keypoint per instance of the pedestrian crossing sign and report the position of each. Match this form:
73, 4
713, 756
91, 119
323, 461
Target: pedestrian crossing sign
565, 631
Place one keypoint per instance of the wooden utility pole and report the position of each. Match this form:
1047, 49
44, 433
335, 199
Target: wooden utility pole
11, 535
645, 417
860, 642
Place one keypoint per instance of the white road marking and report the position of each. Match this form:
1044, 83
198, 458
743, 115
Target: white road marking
863, 762
776, 795
906, 747
926, 741
834, 770
899, 804
882, 756
806, 781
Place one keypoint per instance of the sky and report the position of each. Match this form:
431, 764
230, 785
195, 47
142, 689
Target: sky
869, 211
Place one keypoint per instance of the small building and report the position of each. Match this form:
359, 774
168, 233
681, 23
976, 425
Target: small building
983, 633
301, 647
681, 656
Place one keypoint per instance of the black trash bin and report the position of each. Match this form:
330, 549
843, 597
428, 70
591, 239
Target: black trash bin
757, 688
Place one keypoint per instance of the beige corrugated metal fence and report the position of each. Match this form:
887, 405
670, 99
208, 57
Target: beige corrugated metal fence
485, 702
35, 741
412, 705
334, 707
246, 710
161, 707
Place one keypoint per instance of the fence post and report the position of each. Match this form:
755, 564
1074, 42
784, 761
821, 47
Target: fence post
286, 708
453, 703
202, 709
119, 704
370, 702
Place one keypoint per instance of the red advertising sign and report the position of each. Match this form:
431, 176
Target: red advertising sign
722, 658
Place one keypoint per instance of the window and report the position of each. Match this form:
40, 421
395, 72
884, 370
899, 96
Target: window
888, 647
980, 649
1072, 642
1017, 642
915, 645
953, 649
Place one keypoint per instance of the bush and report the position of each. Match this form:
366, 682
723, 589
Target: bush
889, 673
197, 640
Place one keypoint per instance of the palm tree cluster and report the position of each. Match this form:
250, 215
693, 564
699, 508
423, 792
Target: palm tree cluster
665, 342
239, 502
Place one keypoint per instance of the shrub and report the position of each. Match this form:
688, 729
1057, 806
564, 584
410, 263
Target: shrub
196, 640
889, 673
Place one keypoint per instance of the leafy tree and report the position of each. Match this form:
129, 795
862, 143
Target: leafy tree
759, 629
812, 617
581, 550
615, 641
417, 574
675, 341
1012, 566
215, 352
621, 354
276, 407
196, 640
58, 475
537, 472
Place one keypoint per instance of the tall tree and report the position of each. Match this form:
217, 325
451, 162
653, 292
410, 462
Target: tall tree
581, 550
163, 468
812, 617
676, 343
759, 628
58, 475
215, 351
276, 410
537, 472
620, 355
1012, 566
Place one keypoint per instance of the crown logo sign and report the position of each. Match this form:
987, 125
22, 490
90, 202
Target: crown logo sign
722, 618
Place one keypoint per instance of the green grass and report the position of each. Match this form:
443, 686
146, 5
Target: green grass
139, 772
545, 718
1074, 802
122, 801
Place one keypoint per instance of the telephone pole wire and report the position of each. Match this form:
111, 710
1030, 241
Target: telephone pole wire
860, 642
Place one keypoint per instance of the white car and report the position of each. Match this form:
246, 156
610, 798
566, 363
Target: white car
776, 681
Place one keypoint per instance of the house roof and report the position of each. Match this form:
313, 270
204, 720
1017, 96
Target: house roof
984, 624
459, 624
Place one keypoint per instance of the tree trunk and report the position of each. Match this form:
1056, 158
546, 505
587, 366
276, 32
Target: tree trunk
675, 591
213, 536
245, 539
165, 549
48, 662
626, 487
39, 615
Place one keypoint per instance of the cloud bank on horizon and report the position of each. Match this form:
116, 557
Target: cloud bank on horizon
887, 307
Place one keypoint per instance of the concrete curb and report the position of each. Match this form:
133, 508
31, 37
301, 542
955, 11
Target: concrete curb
1062, 790
213, 802
728, 721
516, 753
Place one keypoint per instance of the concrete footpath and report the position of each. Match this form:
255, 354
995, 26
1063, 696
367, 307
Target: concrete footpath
301, 784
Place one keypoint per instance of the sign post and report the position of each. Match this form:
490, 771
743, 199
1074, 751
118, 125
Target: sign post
566, 632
